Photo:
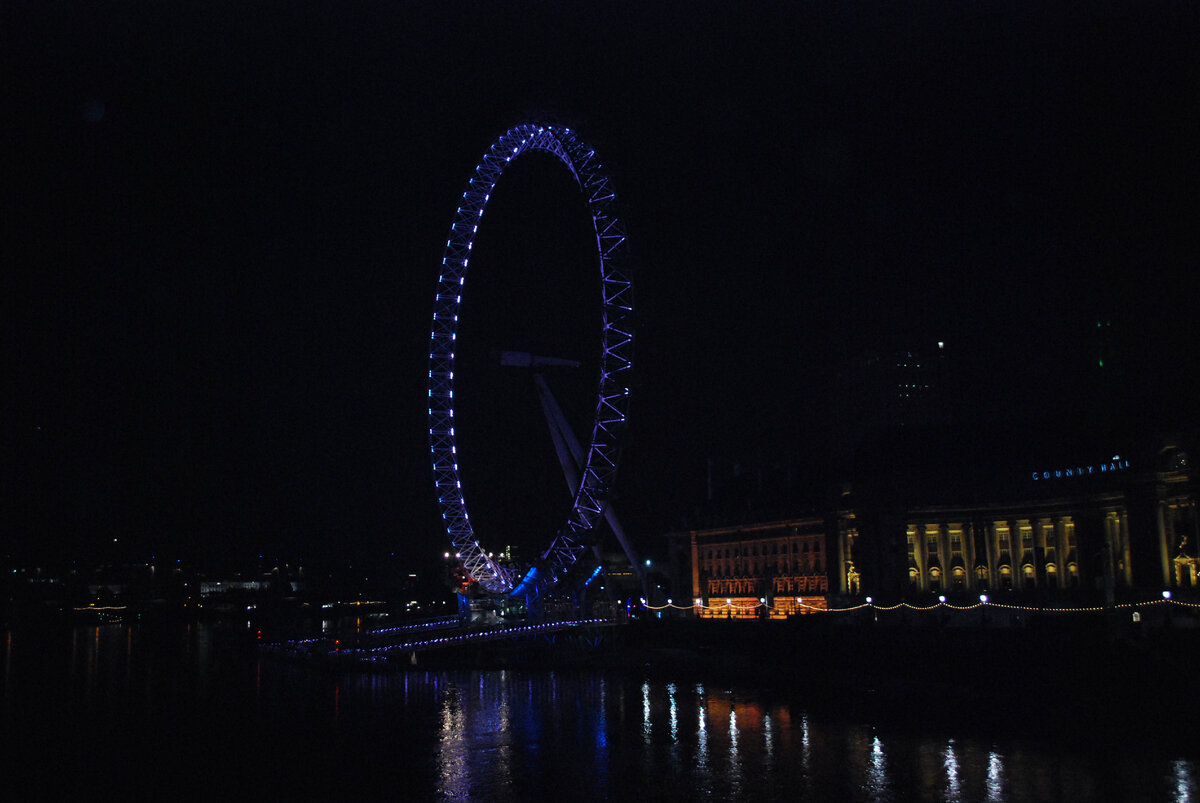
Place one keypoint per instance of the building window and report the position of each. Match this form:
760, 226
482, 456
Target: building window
956, 541
1048, 534
1002, 539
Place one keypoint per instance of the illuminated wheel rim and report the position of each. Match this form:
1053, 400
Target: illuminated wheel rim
598, 472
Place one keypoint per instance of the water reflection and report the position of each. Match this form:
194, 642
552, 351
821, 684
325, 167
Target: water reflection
953, 791
646, 712
994, 783
877, 773
511, 736
674, 712
769, 738
732, 748
475, 751
734, 769
1185, 782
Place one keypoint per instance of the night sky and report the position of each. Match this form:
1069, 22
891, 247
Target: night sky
223, 222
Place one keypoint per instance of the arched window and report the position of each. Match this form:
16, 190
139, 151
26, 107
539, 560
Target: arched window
1006, 578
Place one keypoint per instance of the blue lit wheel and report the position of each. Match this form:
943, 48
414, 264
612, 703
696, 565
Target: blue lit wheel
598, 472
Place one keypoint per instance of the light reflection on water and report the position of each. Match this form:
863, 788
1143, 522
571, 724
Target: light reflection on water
674, 712
877, 780
1185, 781
736, 747
512, 736
995, 785
953, 791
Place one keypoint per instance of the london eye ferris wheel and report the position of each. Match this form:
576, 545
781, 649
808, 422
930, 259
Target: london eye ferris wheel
594, 473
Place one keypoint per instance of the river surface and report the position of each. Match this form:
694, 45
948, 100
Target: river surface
186, 712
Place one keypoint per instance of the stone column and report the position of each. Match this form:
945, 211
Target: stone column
944, 557
696, 590
1126, 552
968, 535
1014, 551
1039, 545
845, 554
1110, 560
1164, 549
1060, 549
989, 545
919, 556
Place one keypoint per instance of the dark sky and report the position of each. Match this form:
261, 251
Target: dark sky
222, 226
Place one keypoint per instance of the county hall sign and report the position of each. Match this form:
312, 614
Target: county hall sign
1116, 464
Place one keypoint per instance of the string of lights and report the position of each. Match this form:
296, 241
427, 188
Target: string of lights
738, 606
465, 638
314, 646
333, 647
446, 621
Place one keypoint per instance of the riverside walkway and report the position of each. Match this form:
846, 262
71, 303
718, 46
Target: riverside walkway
400, 645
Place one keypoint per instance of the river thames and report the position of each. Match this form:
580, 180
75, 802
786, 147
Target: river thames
187, 712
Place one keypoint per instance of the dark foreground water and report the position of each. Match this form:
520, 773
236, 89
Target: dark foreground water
182, 713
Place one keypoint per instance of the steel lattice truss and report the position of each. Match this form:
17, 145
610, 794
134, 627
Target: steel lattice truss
598, 473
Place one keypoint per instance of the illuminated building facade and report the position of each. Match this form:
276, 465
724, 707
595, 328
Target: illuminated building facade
771, 569
1175, 520
1132, 530
1082, 532
1018, 547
